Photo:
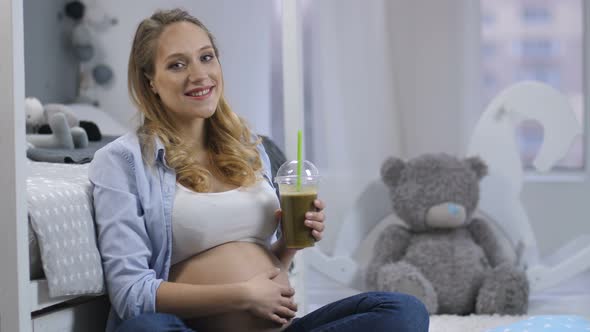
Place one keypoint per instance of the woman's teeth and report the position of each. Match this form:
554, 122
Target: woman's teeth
200, 93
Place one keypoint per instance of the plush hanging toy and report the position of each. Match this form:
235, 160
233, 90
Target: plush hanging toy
452, 261
92, 70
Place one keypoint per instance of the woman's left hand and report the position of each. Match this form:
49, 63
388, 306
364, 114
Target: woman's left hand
315, 220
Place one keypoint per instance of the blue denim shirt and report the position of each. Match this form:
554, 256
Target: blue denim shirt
133, 214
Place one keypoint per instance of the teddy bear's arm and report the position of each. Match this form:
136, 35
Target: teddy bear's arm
389, 247
484, 235
391, 244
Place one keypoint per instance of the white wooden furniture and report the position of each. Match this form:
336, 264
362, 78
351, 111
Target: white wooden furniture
341, 273
24, 304
14, 286
494, 141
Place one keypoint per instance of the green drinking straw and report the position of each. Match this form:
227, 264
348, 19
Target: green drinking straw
299, 159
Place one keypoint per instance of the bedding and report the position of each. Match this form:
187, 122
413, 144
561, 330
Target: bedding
108, 127
59, 201
35, 266
69, 156
105, 122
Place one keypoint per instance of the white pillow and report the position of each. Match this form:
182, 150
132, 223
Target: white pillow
105, 122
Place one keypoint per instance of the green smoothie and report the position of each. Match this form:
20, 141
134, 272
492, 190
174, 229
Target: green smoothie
294, 206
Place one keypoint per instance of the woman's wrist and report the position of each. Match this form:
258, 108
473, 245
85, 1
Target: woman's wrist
243, 302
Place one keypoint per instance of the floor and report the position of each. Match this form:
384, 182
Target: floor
474, 323
571, 298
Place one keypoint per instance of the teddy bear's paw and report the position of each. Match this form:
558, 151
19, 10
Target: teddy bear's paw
504, 291
405, 278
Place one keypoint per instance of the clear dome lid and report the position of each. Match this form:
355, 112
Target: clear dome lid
287, 173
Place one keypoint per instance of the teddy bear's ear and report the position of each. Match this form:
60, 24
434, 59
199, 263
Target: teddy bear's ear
391, 171
478, 166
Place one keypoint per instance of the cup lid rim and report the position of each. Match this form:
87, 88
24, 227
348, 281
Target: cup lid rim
294, 177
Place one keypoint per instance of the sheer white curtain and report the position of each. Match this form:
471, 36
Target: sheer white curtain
350, 111
435, 57
382, 78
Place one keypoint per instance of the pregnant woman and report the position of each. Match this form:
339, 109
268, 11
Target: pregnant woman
186, 210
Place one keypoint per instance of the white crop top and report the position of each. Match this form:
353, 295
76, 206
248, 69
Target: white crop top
201, 221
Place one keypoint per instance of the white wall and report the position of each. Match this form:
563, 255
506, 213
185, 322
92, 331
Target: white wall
243, 33
51, 69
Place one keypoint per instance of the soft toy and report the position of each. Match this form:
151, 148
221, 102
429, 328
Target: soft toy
66, 134
447, 258
38, 114
51, 109
35, 116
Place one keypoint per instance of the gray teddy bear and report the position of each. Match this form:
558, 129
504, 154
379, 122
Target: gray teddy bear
447, 258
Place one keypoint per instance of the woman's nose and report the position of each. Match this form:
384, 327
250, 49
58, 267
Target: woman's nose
197, 72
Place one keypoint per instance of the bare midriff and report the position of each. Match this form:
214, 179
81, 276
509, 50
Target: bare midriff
229, 263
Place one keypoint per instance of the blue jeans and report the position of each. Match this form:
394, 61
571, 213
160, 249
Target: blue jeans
372, 311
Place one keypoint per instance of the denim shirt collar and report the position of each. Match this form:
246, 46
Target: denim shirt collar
160, 152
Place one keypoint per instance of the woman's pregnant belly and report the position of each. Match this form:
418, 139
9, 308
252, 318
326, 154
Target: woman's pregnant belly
229, 263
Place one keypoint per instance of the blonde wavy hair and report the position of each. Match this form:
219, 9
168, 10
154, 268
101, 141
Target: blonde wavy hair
233, 155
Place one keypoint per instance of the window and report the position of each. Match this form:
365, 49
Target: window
488, 49
489, 81
543, 73
536, 48
551, 53
487, 18
536, 15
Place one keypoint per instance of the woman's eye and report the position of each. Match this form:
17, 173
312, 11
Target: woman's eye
207, 57
176, 65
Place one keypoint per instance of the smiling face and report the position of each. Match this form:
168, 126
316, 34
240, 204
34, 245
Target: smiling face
187, 74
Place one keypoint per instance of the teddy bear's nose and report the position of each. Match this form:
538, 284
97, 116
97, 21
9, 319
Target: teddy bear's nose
453, 209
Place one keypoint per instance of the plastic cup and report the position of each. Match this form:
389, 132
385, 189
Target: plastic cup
295, 202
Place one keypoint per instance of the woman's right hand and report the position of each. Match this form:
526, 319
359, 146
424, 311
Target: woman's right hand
269, 299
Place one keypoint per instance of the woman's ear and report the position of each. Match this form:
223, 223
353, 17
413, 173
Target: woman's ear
152, 86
